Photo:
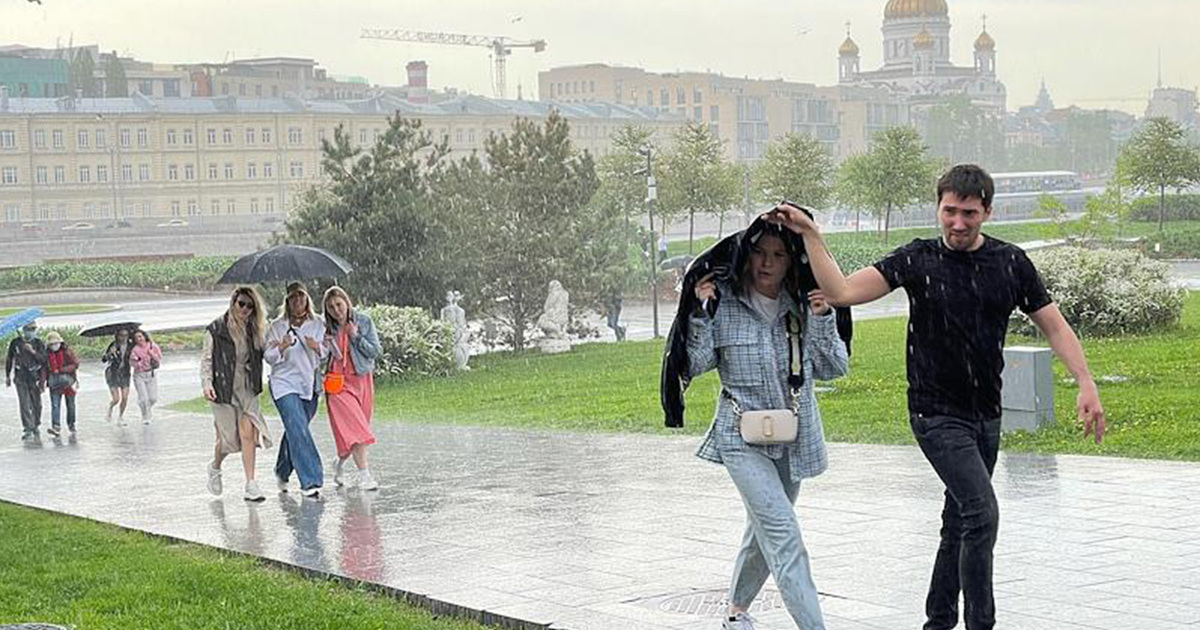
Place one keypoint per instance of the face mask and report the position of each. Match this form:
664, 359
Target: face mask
28, 335
55, 346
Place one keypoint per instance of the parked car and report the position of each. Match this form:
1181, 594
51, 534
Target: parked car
174, 223
119, 225
81, 225
32, 228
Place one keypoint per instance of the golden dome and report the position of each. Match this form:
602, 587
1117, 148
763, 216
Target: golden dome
985, 42
923, 40
848, 48
915, 8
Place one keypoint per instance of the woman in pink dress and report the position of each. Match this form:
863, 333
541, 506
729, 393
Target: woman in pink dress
355, 345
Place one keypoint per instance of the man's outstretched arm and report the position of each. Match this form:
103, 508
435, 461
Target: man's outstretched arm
864, 285
1067, 348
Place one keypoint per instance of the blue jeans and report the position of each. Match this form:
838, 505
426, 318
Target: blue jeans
56, 406
297, 450
772, 542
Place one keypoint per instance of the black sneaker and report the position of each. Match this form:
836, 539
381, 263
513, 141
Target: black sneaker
53, 431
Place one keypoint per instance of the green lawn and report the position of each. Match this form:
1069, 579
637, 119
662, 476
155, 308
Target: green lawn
82, 574
62, 309
614, 387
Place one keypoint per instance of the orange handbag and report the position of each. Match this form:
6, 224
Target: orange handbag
336, 381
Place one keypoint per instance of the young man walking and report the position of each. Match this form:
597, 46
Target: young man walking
962, 288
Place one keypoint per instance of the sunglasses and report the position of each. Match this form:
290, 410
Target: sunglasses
245, 304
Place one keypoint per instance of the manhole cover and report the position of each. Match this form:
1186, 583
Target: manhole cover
713, 603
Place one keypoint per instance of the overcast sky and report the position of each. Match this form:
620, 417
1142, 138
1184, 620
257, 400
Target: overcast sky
1091, 52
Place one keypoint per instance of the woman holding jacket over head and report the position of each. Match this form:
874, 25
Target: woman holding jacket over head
117, 373
144, 359
349, 383
760, 322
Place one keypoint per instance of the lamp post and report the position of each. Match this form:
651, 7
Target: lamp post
651, 196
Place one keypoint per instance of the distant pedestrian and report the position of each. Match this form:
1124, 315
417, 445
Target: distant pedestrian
145, 359
26, 365
231, 367
62, 367
355, 346
295, 348
116, 373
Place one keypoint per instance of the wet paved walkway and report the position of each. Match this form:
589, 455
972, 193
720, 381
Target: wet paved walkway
632, 532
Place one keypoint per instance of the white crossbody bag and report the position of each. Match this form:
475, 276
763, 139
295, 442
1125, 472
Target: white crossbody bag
776, 426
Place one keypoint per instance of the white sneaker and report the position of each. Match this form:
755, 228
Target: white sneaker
739, 621
339, 476
252, 492
311, 492
282, 484
366, 481
214, 480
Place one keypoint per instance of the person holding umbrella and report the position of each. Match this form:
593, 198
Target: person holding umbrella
117, 373
61, 366
26, 364
231, 378
145, 358
349, 384
295, 348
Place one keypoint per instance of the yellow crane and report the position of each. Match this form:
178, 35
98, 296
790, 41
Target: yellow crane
501, 47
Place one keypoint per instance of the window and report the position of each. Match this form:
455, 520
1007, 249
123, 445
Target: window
649, 98
172, 173
214, 207
101, 173
321, 135
124, 135
270, 205
143, 137
193, 208
89, 210
44, 212
294, 135
171, 87
104, 209
188, 136
241, 89
212, 136
680, 96
143, 172
189, 172
39, 138
274, 90
249, 135
146, 87
12, 212
60, 174
127, 210
224, 89
697, 96
147, 209
57, 137
458, 136
266, 135
362, 136
81, 138
212, 171
268, 170
8, 139
230, 206
228, 171
85, 174
697, 112
60, 211
174, 208
258, 90
664, 97
227, 136
101, 138
714, 112
296, 170
170, 136
254, 205
126, 172
8, 175
251, 171
41, 175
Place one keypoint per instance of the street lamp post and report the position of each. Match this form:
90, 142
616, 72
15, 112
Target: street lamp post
651, 196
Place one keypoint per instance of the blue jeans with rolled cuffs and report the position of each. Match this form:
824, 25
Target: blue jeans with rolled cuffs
297, 450
772, 543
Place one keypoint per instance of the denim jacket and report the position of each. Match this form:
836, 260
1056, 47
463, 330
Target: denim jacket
751, 357
364, 347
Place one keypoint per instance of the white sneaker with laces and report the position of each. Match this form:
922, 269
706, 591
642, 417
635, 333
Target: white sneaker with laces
252, 492
214, 480
311, 492
366, 481
339, 476
738, 621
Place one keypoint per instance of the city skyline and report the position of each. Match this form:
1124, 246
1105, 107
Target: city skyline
1093, 54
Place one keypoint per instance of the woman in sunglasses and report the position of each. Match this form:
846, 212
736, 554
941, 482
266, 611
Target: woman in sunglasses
231, 370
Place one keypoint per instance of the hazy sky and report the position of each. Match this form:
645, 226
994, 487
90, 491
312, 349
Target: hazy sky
1091, 52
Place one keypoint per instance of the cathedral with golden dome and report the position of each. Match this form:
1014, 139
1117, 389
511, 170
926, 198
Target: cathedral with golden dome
916, 58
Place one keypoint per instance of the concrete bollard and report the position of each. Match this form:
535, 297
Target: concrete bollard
1027, 397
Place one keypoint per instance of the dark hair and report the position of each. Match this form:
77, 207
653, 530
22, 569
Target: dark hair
966, 181
791, 279
145, 334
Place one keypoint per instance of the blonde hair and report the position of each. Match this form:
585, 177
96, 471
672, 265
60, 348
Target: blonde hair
310, 311
335, 292
256, 322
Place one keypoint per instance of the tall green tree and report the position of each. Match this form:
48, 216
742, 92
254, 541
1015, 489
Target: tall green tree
115, 83
622, 194
854, 186
1158, 157
795, 167
83, 73
695, 178
894, 174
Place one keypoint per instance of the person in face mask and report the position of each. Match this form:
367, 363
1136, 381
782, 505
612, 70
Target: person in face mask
26, 365
61, 366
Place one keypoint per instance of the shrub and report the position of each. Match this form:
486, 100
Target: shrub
414, 343
1105, 292
1178, 208
1174, 243
193, 273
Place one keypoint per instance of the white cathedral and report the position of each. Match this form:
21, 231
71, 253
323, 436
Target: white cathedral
916, 53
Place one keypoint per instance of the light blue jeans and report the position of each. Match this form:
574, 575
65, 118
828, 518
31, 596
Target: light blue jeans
772, 543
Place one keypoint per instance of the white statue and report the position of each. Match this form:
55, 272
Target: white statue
457, 317
554, 319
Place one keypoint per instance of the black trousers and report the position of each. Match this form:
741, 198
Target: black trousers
963, 452
29, 398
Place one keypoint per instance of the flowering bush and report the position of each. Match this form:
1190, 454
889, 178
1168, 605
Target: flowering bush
1105, 292
414, 343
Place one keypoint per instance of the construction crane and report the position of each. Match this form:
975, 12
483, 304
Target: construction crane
501, 47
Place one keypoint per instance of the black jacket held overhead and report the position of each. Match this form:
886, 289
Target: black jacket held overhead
726, 259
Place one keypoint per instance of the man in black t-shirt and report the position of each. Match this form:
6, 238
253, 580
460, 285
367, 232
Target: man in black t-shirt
962, 288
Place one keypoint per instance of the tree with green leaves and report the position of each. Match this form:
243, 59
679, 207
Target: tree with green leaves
115, 83
376, 211
796, 167
695, 178
854, 186
1159, 157
82, 71
896, 173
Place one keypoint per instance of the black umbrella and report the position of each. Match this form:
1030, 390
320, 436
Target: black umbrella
107, 328
285, 262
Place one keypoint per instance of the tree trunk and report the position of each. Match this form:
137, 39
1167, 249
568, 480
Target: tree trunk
1162, 206
518, 332
856, 226
887, 219
691, 229
721, 225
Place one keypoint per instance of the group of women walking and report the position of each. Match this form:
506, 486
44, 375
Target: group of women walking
308, 355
